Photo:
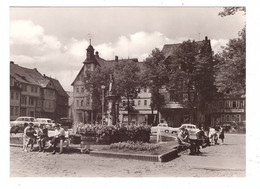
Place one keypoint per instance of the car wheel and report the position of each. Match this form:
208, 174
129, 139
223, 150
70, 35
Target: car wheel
166, 131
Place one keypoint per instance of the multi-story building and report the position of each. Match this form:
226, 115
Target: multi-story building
142, 112
228, 111
32, 94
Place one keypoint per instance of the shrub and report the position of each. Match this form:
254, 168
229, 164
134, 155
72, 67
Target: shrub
135, 146
115, 134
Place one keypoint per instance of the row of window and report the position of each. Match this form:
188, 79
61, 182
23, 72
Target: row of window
132, 103
231, 117
79, 89
14, 95
14, 110
49, 92
80, 102
34, 89
30, 100
239, 104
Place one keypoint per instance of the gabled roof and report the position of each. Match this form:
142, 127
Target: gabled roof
24, 75
170, 49
58, 86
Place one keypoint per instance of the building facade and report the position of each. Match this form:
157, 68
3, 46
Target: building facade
32, 94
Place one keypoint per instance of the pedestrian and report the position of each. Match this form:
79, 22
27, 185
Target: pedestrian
221, 134
28, 136
42, 137
59, 136
183, 140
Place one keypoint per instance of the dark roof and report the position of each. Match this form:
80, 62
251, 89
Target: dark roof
169, 49
25, 75
58, 87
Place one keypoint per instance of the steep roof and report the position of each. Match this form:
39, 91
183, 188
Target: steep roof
25, 75
170, 49
58, 86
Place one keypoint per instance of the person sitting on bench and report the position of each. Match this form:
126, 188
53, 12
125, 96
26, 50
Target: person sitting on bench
59, 136
183, 139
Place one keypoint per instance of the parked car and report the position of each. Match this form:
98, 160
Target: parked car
190, 127
66, 123
21, 122
163, 127
48, 122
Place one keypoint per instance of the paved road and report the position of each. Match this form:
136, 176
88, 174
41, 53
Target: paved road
226, 160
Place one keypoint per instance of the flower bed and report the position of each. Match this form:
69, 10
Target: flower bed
113, 134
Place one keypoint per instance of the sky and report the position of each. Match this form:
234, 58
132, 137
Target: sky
54, 39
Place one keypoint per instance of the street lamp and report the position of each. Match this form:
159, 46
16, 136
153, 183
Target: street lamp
103, 88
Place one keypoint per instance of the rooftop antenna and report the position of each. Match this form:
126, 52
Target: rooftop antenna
199, 36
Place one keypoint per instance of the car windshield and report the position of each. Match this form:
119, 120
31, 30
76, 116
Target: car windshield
48, 121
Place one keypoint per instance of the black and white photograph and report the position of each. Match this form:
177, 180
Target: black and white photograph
127, 92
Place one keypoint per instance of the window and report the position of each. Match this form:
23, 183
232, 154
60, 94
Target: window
124, 103
77, 103
234, 104
12, 110
81, 104
133, 103
145, 102
36, 89
242, 104
31, 101
23, 111
82, 89
223, 118
12, 95
23, 100
32, 89
139, 102
17, 96
16, 110
228, 117
227, 103
77, 90
24, 87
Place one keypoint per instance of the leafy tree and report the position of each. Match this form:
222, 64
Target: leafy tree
231, 11
93, 81
155, 77
127, 81
231, 66
191, 73
231, 63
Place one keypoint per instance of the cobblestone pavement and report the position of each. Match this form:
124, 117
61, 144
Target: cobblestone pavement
226, 160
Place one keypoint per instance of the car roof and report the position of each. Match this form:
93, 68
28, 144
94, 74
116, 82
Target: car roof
26, 117
44, 118
188, 124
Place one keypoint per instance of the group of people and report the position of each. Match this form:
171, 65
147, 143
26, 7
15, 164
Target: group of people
39, 134
203, 139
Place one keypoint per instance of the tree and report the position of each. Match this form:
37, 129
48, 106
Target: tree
155, 77
127, 81
191, 75
231, 66
231, 11
93, 81
231, 63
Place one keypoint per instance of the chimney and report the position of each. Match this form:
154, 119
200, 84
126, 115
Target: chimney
97, 54
116, 58
11, 62
44, 75
206, 38
35, 69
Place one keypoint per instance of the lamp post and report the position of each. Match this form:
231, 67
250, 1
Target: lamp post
103, 88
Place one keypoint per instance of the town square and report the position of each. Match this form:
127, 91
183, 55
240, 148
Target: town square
128, 92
